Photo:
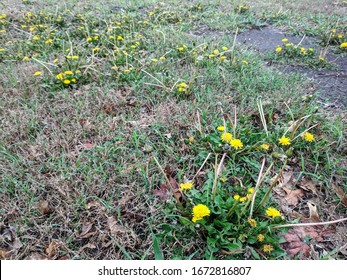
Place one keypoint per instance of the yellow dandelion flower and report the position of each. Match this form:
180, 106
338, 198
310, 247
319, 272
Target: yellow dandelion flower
243, 199
308, 137
224, 48
278, 49
120, 38
340, 36
221, 128
89, 39
60, 76
55, 60
66, 82
75, 57
265, 146
223, 57
260, 237
252, 222
284, 40
226, 137
154, 60
26, 58
199, 212
186, 186
236, 144
216, 52
191, 139
73, 80
68, 72
237, 197
272, 212
36, 38
289, 45
181, 49
267, 248
250, 190
343, 45
37, 73
284, 141
245, 62
96, 49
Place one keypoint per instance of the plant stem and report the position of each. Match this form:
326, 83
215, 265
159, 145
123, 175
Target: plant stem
271, 187
311, 224
169, 184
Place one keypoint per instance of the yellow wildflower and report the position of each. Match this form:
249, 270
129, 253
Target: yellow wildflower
226, 137
224, 48
284, 141
284, 40
55, 60
36, 38
26, 58
237, 197
236, 144
221, 128
343, 45
278, 49
68, 72
250, 190
60, 76
199, 212
119, 38
154, 60
265, 146
66, 82
186, 186
252, 222
216, 52
308, 137
191, 139
37, 73
272, 212
260, 237
267, 248
243, 199
89, 39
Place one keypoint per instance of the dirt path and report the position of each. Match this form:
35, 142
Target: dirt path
331, 84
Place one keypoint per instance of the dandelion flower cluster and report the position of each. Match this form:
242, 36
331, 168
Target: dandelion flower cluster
199, 212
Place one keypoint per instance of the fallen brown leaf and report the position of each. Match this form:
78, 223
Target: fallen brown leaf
4, 254
314, 216
44, 207
308, 185
295, 239
162, 192
114, 227
86, 227
341, 194
53, 248
292, 197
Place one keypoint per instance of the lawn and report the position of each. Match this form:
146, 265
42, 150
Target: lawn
173, 129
